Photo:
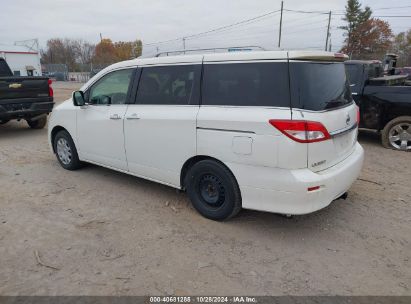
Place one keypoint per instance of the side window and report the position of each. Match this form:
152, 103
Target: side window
111, 88
169, 85
246, 84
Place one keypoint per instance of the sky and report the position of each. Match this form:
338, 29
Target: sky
162, 20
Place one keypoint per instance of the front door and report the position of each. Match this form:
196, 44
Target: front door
100, 124
160, 128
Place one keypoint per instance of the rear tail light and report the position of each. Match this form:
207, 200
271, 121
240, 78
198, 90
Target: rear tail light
51, 92
358, 116
302, 131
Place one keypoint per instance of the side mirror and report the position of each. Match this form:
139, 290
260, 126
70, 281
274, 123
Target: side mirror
78, 98
105, 100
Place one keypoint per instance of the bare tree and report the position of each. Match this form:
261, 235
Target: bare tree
84, 51
60, 51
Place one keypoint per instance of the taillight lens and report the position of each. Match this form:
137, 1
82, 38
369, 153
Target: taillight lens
358, 116
51, 92
302, 131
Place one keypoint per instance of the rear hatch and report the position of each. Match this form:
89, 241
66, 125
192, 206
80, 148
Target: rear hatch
23, 87
320, 93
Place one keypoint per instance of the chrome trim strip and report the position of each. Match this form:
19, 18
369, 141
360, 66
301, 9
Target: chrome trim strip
343, 131
225, 130
244, 107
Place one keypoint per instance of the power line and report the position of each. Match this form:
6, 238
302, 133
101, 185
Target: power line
232, 25
293, 26
292, 21
227, 30
216, 29
387, 16
342, 12
295, 23
388, 8
392, 16
307, 12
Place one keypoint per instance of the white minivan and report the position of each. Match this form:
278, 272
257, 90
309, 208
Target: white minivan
274, 131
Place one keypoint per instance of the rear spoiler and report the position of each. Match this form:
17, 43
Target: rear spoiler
317, 56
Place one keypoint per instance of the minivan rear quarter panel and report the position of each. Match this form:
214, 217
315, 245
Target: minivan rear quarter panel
238, 100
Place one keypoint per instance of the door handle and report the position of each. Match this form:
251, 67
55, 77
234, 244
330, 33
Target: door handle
115, 116
133, 116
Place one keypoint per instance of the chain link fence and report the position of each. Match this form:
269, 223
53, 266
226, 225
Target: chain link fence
60, 72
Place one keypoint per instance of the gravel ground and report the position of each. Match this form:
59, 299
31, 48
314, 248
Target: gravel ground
99, 232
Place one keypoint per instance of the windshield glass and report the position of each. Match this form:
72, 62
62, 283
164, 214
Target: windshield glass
319, 86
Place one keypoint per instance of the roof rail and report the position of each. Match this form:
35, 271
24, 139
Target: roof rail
229, 49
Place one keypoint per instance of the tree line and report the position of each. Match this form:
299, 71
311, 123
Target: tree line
367, 37
77, 53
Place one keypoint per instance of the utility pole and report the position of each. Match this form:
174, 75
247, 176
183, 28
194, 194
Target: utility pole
101, 37
184, 44
281, 24
328, 30
330, 45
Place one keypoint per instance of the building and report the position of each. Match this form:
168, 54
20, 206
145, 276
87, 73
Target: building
22, 60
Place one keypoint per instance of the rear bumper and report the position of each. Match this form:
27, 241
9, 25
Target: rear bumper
24, 110
286, 191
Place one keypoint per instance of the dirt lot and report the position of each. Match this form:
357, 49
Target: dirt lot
107, 233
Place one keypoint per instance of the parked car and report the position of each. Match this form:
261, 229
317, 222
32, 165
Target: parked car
28, 98
384, 101
270, 131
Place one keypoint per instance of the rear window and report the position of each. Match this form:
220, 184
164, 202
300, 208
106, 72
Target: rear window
319, 86
246, 84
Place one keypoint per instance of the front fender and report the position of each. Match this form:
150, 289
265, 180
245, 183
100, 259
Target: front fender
63, 116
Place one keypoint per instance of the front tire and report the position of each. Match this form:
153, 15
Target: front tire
66, 151
397, 134
213, 190
38, 123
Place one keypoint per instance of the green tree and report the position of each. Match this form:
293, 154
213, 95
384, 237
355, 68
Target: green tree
356, 18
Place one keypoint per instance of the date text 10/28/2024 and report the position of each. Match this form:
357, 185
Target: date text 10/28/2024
203, 299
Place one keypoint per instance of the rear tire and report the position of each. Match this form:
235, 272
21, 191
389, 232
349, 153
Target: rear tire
66, 151
213, 190
397, 134
38, 123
